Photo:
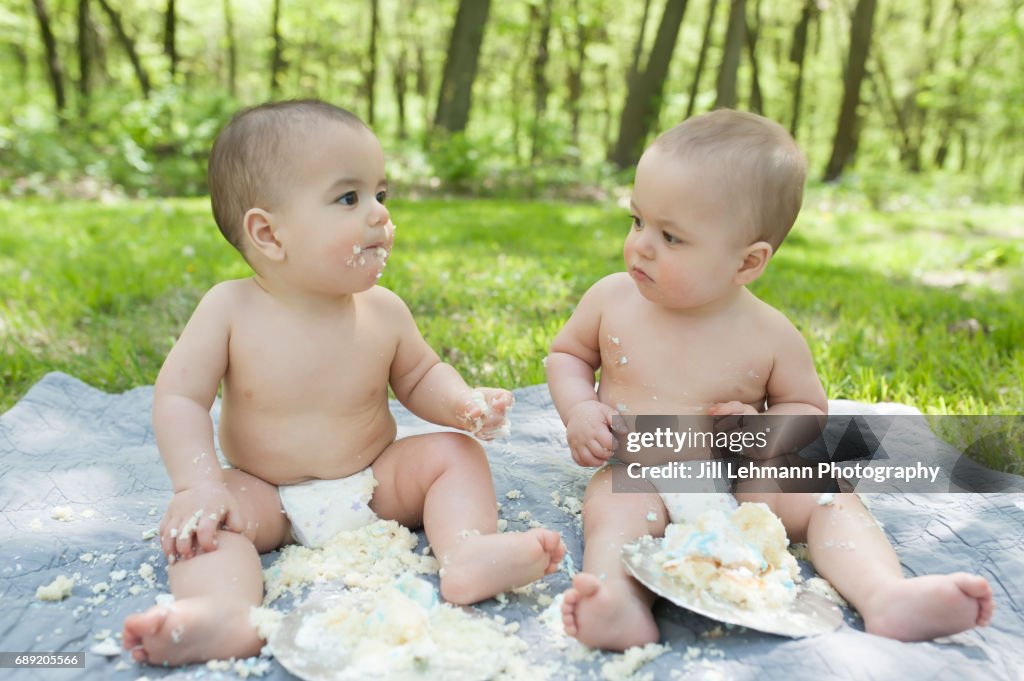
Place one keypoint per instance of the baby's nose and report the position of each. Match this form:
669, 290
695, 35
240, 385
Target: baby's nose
379, 215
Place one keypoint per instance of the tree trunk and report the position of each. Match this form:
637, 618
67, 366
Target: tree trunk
844, 145
951, 113
461, 65
423, 84
882, 83
756, 101
170, 44
638, 48
574, 71
735, 36
53, 65
701, 58
540, 79
797, 53
229, 35
643, 101
129, 47
276, 57
83, 54
518, 86
400, 75
371, 71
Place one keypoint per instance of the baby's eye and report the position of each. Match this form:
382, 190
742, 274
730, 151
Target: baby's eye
348, 199
671, 238
382, 196
638, 224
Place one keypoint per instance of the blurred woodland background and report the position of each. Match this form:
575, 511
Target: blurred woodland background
551, 98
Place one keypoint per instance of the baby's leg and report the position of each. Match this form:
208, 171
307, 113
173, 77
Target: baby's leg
849, 549
442, 482
213, 592
606, 608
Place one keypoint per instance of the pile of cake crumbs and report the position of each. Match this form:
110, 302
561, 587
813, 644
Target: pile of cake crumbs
368, 557
388, 623
739, 556
403, 629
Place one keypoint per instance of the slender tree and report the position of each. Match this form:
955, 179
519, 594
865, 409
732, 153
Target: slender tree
54, 68
951, 112
735, 36
797, 54
844, 144
371, 71
128, 45
578, 41
276, 50
756, 99
691, 104
638, 47
170, 43
232, 47
400, 80
460, 66
83, 45
643, 100
540, 78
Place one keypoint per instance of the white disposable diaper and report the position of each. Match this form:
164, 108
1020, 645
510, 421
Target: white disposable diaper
320, 509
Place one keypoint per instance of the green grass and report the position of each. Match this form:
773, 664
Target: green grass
100, 291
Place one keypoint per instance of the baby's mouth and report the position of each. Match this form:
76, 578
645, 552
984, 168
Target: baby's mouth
639, 275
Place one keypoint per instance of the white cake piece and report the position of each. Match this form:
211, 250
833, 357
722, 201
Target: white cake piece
739, 556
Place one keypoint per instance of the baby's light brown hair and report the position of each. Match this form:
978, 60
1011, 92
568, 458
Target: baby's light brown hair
253, 155
764, 169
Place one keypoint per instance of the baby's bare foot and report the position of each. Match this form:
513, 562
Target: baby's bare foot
483, 565
608, 615
923, 608
190, 630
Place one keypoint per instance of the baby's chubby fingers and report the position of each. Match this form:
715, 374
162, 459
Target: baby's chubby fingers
207, 528
185, 535
484, 412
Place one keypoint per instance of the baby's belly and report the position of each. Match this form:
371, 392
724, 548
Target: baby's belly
289, 448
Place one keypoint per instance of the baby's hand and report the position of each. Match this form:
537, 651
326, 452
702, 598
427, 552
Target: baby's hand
589, 432
483, 414
193, 517
733, 408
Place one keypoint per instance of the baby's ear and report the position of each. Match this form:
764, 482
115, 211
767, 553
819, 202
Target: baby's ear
755, 259
259, 232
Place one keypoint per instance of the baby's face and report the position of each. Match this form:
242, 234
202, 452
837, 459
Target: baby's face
332, 222
685, 244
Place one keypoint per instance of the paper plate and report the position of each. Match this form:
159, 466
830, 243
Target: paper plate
810, 614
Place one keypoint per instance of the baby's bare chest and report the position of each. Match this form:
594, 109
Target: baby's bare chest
322, 366
654, 366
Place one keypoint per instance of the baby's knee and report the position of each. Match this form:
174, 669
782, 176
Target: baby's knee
457, 449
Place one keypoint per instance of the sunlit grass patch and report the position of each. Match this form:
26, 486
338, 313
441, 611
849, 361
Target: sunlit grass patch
100, 291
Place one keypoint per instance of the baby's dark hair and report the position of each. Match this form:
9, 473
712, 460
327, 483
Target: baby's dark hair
764, 169
251, 158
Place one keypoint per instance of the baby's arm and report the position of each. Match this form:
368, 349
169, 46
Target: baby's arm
574, 358
434, 390
185, 390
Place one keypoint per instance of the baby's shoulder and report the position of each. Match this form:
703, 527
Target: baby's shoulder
770, 322
227, 296
613, 286
383, 298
